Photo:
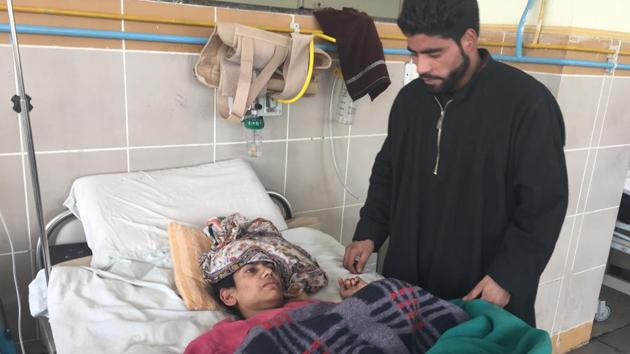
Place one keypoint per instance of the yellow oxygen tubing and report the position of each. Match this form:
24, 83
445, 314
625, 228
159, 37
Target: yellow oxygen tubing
311, 65
309, 74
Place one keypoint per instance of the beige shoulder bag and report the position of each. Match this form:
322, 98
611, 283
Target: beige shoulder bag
241, 61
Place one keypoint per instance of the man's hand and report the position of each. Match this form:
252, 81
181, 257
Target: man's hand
357, 254
489, 291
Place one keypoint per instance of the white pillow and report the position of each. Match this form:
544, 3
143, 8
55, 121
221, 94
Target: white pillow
126, 215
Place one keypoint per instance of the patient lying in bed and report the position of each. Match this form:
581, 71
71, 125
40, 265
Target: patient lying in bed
388, 316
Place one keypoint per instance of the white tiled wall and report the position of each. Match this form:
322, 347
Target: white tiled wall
104, 111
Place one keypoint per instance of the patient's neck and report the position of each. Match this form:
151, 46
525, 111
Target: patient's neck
249, 313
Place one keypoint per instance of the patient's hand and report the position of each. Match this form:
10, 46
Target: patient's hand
347, 287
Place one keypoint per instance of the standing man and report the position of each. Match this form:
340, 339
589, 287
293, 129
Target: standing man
471, 183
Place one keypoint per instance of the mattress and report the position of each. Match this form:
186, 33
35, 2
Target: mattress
133, 307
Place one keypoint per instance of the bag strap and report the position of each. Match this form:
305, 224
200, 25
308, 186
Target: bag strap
248, 90
241, 98
295, 69
249, 81
279, 55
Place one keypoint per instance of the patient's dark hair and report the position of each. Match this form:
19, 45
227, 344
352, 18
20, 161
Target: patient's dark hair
445, 18
215, 292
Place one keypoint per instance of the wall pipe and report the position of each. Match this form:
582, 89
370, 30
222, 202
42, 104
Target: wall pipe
104, 34
153, 19
541, 18
555, 47
522, 59
168, 38
521, 28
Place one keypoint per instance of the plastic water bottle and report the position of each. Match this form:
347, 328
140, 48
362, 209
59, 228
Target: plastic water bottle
253, 135
346, 108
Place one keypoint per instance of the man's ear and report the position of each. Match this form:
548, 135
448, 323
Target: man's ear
469, 41
228, 296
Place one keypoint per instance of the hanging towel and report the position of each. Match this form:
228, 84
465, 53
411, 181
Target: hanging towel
360, 50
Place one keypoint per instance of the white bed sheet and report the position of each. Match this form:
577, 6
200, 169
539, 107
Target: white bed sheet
126, 215
133, 307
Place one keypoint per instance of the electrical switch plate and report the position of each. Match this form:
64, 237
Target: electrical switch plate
410, 73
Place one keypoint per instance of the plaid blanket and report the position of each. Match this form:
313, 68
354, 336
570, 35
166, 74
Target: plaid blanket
386, 316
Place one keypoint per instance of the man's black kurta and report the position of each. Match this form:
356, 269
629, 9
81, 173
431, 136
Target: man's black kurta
496, 202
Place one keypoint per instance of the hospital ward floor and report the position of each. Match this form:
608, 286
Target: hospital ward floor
613, 335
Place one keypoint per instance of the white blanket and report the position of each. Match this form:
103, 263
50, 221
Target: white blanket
134, 308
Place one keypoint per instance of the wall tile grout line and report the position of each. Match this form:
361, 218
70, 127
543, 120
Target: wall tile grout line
214, 120
54, 152
16, 253
591, 148
318, 210
123, 148
327, 209
345, 181
563, 279
316, 138
577, 149
194, 54
125, 88
590, 182
599, 138
592, 211
213, 145
572, 236
612, 146
286, 151
589, 269
547, 282
176, 146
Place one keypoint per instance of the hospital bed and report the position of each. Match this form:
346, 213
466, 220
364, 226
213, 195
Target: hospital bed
123, 297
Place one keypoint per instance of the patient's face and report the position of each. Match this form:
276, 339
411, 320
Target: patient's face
258, 288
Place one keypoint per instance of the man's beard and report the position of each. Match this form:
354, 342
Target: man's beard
448, 84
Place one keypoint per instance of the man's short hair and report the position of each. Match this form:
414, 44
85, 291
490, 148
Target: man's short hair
446, 18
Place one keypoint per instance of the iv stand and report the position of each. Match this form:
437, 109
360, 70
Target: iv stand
23, 110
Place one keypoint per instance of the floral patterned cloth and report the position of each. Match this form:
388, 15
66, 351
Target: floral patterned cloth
237, 241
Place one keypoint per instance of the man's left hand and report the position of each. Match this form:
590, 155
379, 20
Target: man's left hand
487, 289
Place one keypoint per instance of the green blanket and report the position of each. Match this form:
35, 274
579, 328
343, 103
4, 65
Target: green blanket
491, 330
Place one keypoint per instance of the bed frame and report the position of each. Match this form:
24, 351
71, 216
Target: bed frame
66, 230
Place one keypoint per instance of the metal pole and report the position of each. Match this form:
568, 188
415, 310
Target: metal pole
26, 121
